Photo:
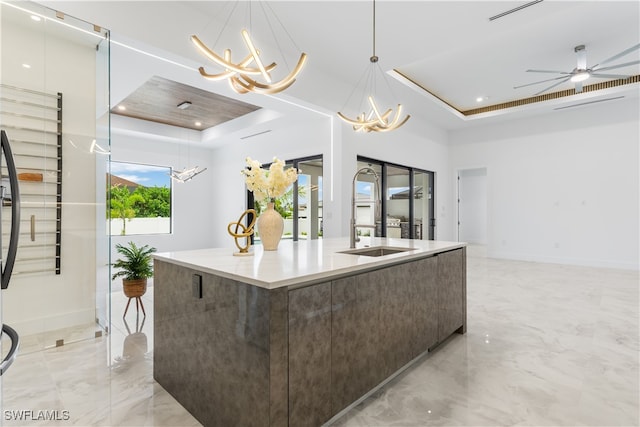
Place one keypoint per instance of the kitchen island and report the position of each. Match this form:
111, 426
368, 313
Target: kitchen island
294, 336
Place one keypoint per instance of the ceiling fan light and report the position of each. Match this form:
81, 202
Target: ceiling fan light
580, 76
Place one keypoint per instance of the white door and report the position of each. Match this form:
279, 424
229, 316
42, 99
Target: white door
472, 205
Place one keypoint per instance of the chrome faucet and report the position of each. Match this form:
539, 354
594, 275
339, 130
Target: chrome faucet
353, 236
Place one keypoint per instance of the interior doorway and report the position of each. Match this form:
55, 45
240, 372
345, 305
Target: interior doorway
472, 205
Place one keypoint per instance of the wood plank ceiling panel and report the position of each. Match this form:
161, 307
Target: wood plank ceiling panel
157, 101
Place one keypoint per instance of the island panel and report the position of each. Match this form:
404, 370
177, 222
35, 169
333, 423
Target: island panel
213, 353
397, 302
278, 357
310, 355
451, 293
425, 324
355, 362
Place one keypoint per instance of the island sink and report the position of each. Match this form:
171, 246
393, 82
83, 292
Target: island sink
376, 251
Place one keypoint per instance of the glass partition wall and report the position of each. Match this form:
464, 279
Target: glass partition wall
54, 108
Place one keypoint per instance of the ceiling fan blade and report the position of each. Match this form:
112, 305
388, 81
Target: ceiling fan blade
553, 85
547, 71
541, 81
609, 76
613, 67
619, 55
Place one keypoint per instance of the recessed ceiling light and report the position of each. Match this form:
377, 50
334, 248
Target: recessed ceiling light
481, 98
36, 18
121, 107
198, 124
26, 66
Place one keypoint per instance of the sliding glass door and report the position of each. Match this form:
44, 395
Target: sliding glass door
407, 203
423, 205
397, 199
308, 199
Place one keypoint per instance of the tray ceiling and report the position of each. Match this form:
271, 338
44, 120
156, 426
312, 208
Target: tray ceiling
157, 100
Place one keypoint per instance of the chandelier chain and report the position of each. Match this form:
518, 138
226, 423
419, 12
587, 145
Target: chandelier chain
364, 75
283, 27
375, 120
273, 33
226, 22
374, 32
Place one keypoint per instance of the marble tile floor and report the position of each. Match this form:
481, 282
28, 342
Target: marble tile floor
547, 345
105, 381
49, 339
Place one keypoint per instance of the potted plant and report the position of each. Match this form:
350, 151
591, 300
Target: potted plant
135, 268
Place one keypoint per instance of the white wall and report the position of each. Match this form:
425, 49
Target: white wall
296, 138
193, 202
472, 205
562, 188
312, 136
136, 226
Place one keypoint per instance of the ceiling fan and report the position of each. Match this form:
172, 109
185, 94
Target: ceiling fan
582, 72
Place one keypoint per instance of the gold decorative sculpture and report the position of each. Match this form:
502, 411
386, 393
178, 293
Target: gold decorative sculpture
247, 231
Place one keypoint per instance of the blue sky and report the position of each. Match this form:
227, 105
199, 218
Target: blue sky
146, 175
364, 187
303, 180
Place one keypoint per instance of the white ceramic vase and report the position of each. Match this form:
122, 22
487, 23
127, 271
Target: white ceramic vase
270, 227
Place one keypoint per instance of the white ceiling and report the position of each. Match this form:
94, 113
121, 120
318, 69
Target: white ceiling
450, 47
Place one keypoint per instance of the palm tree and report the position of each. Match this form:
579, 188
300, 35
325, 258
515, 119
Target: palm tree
122, 204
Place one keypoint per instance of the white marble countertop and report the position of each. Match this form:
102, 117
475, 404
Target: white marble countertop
301, 262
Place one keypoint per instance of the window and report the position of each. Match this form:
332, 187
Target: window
139, 199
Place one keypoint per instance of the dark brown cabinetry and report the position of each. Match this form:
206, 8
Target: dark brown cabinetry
238, 354
355, 364
310, 355
381, 320
451, 293
425, 323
